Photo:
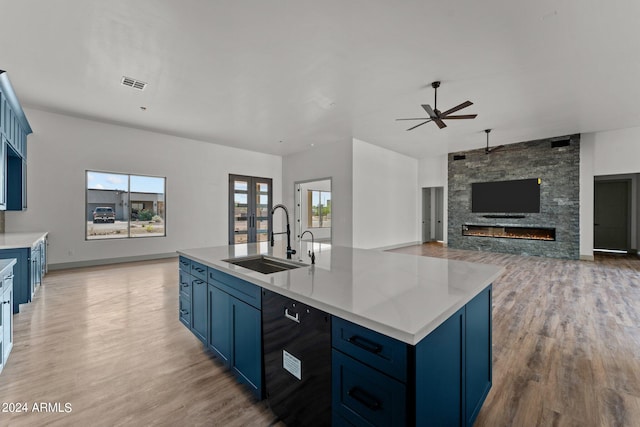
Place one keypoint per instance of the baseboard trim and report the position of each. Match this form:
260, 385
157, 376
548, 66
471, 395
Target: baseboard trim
587, 258
399, 245
107, 261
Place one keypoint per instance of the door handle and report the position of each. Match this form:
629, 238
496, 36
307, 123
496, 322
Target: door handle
295, 318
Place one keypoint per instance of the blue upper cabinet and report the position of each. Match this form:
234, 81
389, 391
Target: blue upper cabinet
14, 129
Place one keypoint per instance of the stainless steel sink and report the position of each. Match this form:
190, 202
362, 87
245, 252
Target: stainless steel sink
265, 264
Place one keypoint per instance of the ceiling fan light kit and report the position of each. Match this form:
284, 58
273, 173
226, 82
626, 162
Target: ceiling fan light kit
437, 116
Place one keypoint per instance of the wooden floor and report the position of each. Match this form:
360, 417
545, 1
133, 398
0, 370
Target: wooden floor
566, 340
107, 340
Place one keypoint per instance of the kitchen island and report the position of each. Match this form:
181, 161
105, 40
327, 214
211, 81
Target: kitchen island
410, 336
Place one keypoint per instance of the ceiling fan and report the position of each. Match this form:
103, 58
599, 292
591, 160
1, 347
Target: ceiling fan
492, 149
437, 116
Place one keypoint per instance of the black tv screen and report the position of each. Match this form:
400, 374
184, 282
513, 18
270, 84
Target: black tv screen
519, 196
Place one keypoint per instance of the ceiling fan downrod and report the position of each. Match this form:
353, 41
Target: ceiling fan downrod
486, 150
435, 86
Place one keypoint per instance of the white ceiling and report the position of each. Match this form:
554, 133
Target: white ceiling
252, 73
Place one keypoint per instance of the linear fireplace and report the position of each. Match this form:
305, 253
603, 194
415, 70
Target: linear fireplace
509, 232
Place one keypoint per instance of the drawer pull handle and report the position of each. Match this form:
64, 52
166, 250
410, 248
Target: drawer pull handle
199, 270
184, 312
365, 398
198, 282
365, 344
295, 318
185, 285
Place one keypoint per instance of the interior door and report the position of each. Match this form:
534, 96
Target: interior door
611, 215
439, 213
426, 215
250, 200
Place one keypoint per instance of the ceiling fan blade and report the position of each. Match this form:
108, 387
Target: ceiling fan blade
440, 123
423, 123
463, 116
456, 108
430, 111
421, 118
492, 149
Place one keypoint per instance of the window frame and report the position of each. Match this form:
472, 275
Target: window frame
310, 207
128, 234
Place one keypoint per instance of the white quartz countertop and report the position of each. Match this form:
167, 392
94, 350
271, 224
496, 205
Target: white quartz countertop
20, 240
402, 296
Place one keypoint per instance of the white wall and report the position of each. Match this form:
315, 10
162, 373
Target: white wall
327, 161
386, 197
587, 164
62, 148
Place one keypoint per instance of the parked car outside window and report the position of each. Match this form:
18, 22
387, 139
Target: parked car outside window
104, 214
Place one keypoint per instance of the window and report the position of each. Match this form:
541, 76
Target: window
319, 209
123, 205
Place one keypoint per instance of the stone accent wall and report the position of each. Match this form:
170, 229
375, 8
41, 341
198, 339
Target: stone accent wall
559, 171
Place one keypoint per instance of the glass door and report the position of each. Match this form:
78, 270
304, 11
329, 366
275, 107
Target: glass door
249, 209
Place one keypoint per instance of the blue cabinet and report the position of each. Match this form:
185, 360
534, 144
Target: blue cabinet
246, 338
236, 328
184, 301
6, 312
199, 320
224, 313
442, 381
14, 129
439, 374
29, 270
478, 354
220, 328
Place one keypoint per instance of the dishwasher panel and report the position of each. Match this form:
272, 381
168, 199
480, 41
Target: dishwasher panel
297, 360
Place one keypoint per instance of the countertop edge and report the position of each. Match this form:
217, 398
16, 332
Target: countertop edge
404, 336
21, 239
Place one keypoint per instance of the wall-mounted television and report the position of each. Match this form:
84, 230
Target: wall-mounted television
518, 196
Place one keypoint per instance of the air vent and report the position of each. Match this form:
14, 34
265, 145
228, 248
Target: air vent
136, 84
459, 157
560, 143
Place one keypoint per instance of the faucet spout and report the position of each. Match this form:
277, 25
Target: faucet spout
312, 254
286, 212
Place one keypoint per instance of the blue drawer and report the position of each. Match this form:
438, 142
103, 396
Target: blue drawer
379, 351
185, 284
244, 291
199, 270
362, 396
185, 264
185, 311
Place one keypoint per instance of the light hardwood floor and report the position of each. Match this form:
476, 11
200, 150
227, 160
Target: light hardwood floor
566, 340
108, 341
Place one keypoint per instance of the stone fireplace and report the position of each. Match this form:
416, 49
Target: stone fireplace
552, 232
